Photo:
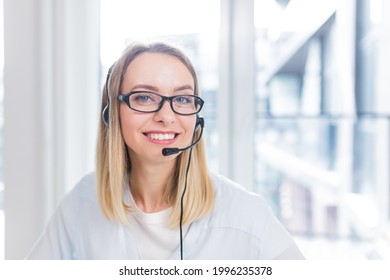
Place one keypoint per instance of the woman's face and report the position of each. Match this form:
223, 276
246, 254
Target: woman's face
146, 134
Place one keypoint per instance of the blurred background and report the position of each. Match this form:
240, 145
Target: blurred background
297, 107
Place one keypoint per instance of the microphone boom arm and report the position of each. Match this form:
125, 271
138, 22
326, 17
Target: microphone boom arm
172, 151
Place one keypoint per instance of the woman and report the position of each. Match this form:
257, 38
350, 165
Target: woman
155, 198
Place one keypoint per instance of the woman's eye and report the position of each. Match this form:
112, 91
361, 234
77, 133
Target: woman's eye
184, 99
143, 98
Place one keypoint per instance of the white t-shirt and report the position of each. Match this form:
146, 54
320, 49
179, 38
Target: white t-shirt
156, 240
240, 226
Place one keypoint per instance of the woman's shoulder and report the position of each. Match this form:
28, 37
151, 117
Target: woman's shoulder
246, 213
239, 210
232, 193
84, 192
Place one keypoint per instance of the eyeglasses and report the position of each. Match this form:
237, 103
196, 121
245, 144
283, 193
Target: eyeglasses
149, 102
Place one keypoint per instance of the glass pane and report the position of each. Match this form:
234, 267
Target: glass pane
372, 66
289, 38
320, 159
328, 180
193, 24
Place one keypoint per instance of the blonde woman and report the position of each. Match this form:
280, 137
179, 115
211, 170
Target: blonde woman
152, 196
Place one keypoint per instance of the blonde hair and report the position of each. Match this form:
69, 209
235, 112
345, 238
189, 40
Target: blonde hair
113, 165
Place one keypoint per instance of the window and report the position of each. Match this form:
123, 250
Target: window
317, 155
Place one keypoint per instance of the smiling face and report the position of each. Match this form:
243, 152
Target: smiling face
146, 134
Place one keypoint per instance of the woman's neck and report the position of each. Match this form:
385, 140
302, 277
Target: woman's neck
148, 185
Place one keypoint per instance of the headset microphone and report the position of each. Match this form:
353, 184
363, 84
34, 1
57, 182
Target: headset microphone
172, 151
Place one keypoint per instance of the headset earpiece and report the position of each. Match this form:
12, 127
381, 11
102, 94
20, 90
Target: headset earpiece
106, 116
106, 110
199, 122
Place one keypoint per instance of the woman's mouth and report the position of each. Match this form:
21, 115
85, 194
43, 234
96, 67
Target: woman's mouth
161, 136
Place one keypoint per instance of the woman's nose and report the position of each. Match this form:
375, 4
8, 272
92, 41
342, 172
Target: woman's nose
165, 114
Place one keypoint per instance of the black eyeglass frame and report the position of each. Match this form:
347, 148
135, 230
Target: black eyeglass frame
125, 97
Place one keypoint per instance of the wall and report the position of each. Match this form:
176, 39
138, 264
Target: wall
51, 84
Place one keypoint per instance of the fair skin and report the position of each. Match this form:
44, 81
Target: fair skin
165, 75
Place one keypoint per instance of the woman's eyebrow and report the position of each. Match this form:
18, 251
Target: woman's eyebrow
153, 88
144, 86
184, 88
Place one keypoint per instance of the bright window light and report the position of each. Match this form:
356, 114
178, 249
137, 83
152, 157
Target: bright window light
376, 11
297, 16
145, 19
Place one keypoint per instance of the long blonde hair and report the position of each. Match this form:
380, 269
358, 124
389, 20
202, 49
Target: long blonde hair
113, 164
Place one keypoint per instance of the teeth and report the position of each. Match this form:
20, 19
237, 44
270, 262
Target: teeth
158, 136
